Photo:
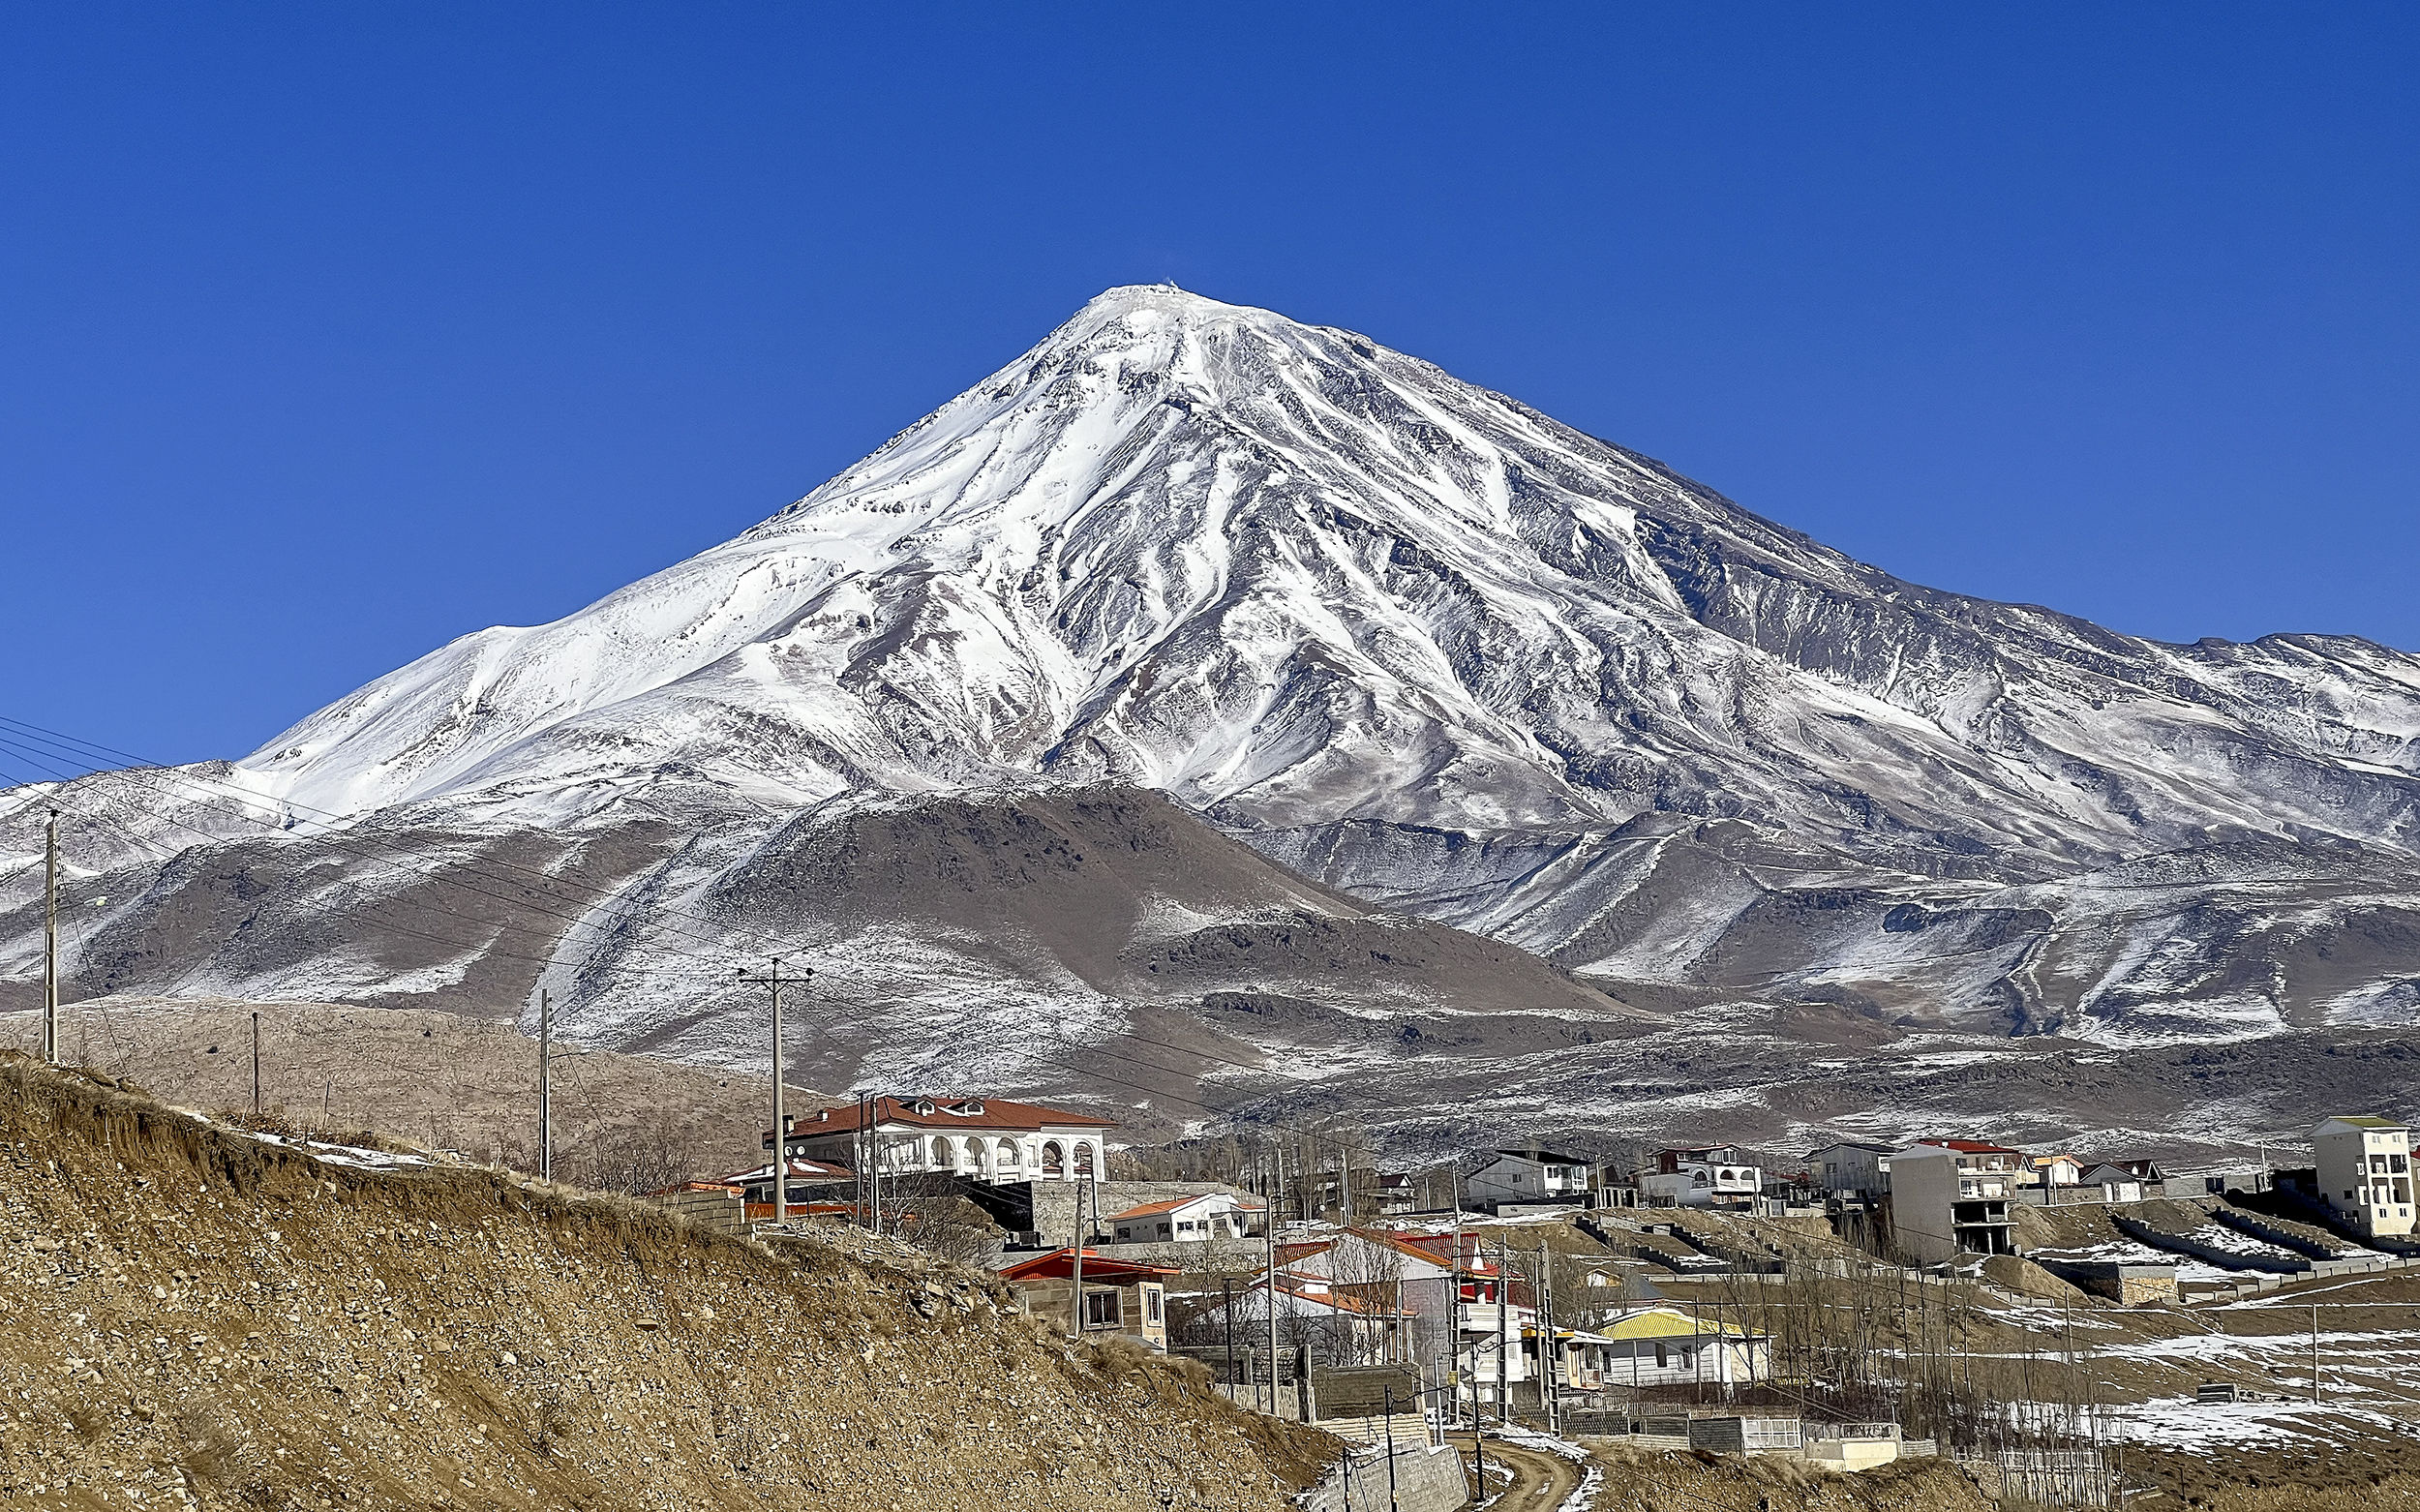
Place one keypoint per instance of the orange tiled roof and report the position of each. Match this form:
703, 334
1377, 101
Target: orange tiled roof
1060, 1263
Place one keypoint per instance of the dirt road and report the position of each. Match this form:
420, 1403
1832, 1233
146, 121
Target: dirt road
1541, 1482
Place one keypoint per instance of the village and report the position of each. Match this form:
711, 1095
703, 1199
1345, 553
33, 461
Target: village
1863, 1302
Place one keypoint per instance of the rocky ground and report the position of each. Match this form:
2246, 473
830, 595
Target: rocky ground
199, 1318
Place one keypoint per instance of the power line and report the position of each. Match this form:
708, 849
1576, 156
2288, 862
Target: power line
50, 747
151, 777
47, 749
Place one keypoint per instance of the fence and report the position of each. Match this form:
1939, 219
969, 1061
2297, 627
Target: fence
2053, 1478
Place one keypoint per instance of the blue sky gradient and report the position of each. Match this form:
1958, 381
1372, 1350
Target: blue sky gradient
329, 333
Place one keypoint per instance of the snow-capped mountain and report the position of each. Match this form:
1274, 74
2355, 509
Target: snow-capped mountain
1289, 577
1421, 644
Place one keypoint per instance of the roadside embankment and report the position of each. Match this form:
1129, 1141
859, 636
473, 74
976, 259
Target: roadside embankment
196, 1318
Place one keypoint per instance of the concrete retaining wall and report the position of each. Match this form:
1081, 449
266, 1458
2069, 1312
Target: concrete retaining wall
2225, 1258
2278, 1234
1426, 1480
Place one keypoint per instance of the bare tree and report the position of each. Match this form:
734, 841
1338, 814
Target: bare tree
929, 1211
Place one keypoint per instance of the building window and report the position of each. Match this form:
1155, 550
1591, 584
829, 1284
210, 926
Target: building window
1100, 1309
1053, 1159
1083, 1158
1151, 1303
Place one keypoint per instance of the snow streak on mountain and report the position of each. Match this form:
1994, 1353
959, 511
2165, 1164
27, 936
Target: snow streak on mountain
1444, 656
1289, 577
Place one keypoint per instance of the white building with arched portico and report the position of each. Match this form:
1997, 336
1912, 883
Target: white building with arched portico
986, 1139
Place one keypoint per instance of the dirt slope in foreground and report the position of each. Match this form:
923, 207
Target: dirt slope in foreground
194, 1318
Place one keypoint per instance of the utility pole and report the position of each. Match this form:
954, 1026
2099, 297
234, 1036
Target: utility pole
2314, 1354
1391, 1504
1227, 1311
1504, 1338
51, 943
1344, 1182
256, 1064
1546, 1339
1075, 1303
781, 1128
1269, 1289
546, 1085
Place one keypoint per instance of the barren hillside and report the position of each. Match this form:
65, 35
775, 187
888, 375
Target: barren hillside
197, 1319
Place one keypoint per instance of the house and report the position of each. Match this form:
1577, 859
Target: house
985, 1139
1705, 1175
2052, 1171
2117, 1183
811, 1184
2363, 1173
1126, 1298
1979, 1155
1530, 1175
1661, 1346
1394, 1275
1398, 1192
1449, 1292
1193, 1219
1952, 1196
1340, 1328
1852, 1168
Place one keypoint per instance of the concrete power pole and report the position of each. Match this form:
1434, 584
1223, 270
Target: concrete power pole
781, 1131
256, 1064
1269, 1295
1504, 1337
50, 941
1076, 1301
546, 1085
1547, 1371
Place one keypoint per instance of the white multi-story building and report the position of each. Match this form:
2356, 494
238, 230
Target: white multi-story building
1952, 1196
1705, 1175
2365, 1173
1528, 1176
988, 1140
1853, 1167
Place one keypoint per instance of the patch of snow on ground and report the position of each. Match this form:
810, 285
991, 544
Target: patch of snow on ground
2182, 1423
338, 1154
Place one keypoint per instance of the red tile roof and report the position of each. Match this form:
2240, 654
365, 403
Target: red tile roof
1060, 1265
1971, 1146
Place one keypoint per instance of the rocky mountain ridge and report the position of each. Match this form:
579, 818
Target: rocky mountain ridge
1461, 672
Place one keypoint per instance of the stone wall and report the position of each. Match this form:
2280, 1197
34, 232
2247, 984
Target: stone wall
1426, 1479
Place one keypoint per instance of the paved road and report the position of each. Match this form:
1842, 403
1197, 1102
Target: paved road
1541, 1482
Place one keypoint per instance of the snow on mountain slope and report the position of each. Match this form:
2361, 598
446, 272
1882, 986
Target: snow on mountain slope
1290, 577
1407, 636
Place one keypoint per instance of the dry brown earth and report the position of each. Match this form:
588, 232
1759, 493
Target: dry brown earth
194, 1318
437, 1078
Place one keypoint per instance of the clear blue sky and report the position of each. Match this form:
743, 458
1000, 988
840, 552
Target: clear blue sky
330, 332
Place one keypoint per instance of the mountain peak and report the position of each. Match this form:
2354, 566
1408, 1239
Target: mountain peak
1163, 327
